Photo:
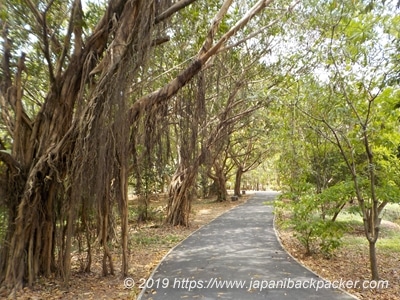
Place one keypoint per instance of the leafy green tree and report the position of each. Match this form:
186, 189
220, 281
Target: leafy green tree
356, 112
341, 128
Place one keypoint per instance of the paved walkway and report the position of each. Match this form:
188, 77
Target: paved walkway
236, 256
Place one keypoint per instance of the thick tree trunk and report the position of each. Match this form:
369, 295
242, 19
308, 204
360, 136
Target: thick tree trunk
238, 181
180, 196
220, 183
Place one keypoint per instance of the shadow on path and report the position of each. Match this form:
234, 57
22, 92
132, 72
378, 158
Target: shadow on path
236, 256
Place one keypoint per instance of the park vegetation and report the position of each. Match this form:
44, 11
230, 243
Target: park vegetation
100, 99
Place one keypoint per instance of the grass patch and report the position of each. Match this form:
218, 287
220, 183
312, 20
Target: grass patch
391, 212
354, 241
389, 236
384, 243
390, 244
353, 219
145, 238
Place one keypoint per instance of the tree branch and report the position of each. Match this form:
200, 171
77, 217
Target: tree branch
260, 5
46, 31
74, 24
165, 92
173, 9
11, 163
170, 89
214, 27
253, 34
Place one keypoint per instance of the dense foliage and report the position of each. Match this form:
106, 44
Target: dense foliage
188, 97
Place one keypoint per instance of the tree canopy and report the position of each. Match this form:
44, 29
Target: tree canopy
168, 96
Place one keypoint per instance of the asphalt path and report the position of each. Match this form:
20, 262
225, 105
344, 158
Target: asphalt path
237, 256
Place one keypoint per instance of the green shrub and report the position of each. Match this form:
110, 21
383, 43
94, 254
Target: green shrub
316, 234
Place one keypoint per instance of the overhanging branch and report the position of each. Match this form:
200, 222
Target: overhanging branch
11, 163
173, 9
205, 53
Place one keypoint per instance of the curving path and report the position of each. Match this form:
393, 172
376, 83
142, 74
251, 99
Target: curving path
236, 256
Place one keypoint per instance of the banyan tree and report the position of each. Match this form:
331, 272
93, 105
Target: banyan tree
70, 101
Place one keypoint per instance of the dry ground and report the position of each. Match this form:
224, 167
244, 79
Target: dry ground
149, 243
351, 262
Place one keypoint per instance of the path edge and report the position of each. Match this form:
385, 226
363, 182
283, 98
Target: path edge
173, 248
299, 262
